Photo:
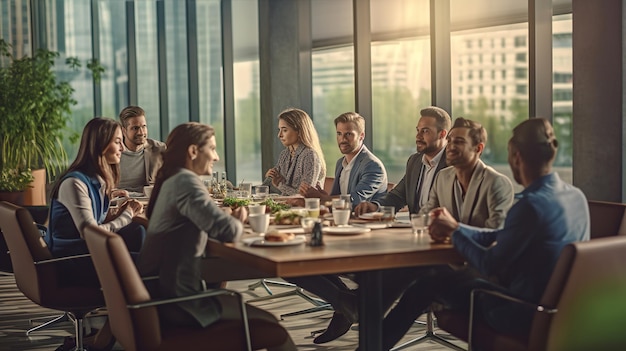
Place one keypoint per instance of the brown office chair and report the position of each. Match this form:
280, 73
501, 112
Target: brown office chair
585, 274
133, 313
607, 218
37, 272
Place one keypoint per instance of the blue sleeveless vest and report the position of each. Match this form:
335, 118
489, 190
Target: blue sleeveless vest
63, 237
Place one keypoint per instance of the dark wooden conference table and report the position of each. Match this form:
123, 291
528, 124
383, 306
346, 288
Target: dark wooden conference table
366, 254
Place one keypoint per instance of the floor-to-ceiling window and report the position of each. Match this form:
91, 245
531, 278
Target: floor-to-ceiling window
562, 81
113, 57
247, 94
148, 64
400, 79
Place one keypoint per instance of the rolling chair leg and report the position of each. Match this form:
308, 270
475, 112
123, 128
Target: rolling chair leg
324, 307
65, 317
264, 283
429, 335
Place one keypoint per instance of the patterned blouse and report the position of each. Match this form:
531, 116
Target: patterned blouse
303, 166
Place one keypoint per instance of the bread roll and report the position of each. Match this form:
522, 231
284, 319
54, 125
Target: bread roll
279, 237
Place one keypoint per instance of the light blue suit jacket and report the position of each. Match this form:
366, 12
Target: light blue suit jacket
368, 178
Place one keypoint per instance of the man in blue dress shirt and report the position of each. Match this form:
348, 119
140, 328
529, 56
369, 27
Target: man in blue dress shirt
517, 259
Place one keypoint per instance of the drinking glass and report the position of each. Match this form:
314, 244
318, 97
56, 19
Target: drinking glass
419, 223
245, 190
389, 213
312, 205
261, 191
307, 224
347, 199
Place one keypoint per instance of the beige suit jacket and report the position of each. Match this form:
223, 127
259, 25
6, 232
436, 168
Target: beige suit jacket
488, 198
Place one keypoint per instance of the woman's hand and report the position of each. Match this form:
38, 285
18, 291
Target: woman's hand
119, 193
136, 207
277, 178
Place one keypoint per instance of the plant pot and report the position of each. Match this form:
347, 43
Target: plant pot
35, 194
14, 197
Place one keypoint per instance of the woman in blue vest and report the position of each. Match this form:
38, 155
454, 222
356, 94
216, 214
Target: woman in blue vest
81, 196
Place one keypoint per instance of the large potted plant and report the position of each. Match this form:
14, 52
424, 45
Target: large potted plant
34, 110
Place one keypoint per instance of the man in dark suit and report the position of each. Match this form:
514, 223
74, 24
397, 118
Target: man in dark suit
359, 172
432, 129
421, 168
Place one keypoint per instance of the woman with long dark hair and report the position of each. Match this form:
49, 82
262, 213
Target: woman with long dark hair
182, 218
81, 196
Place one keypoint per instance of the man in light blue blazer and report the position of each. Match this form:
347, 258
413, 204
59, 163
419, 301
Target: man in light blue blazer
359, 172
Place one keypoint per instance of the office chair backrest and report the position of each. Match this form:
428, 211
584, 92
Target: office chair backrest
607, 218
26, 246
588, 275
122, 285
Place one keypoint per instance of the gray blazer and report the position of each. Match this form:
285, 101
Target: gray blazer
368, 177
404, 192
488, 198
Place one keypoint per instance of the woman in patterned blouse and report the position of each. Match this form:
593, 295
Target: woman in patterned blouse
302, 160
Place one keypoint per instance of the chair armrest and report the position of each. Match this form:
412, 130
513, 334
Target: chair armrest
60, 259
536, 307
475, 292
204, 294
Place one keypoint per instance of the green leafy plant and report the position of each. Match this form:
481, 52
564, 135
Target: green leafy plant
34, 110
14, 180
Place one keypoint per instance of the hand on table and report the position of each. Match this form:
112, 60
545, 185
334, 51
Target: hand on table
364, 207
307, 190
240, 213
442, 225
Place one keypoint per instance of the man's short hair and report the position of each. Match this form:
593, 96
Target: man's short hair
130, 112
354, 118
442, 117
534, 139
477, 133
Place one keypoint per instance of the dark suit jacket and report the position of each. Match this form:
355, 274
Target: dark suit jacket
368, 178
404, 192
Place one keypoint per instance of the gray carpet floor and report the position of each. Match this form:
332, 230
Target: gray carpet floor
16, 311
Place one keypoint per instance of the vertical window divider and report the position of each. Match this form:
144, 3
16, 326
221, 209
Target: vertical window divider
230, 151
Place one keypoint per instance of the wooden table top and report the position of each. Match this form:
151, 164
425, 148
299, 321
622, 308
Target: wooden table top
378, 249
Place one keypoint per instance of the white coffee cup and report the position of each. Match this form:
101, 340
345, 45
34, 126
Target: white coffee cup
256, 209
341, 216
259, 222
147, 190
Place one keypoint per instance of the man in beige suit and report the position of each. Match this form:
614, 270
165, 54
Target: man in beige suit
474, 193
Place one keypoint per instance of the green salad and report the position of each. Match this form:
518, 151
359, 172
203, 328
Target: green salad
274, 206
234, 202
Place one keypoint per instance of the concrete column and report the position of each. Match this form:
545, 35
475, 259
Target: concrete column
283, 72
598, 126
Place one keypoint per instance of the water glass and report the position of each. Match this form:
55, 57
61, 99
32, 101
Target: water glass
341, 216
307, 223
419, 222
312, 205
245, 190
339, 204
261, 191
347, 199
389, 213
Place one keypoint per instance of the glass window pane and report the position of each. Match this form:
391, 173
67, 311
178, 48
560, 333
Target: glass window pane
74, 40
247, 95
499, 101
177, 69
563, 90
400, 89
114, 57
148, 65
333, 94
15, 26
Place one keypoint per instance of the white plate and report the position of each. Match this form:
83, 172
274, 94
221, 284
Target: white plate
347, 230
373, 225
258, 241
371, 215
